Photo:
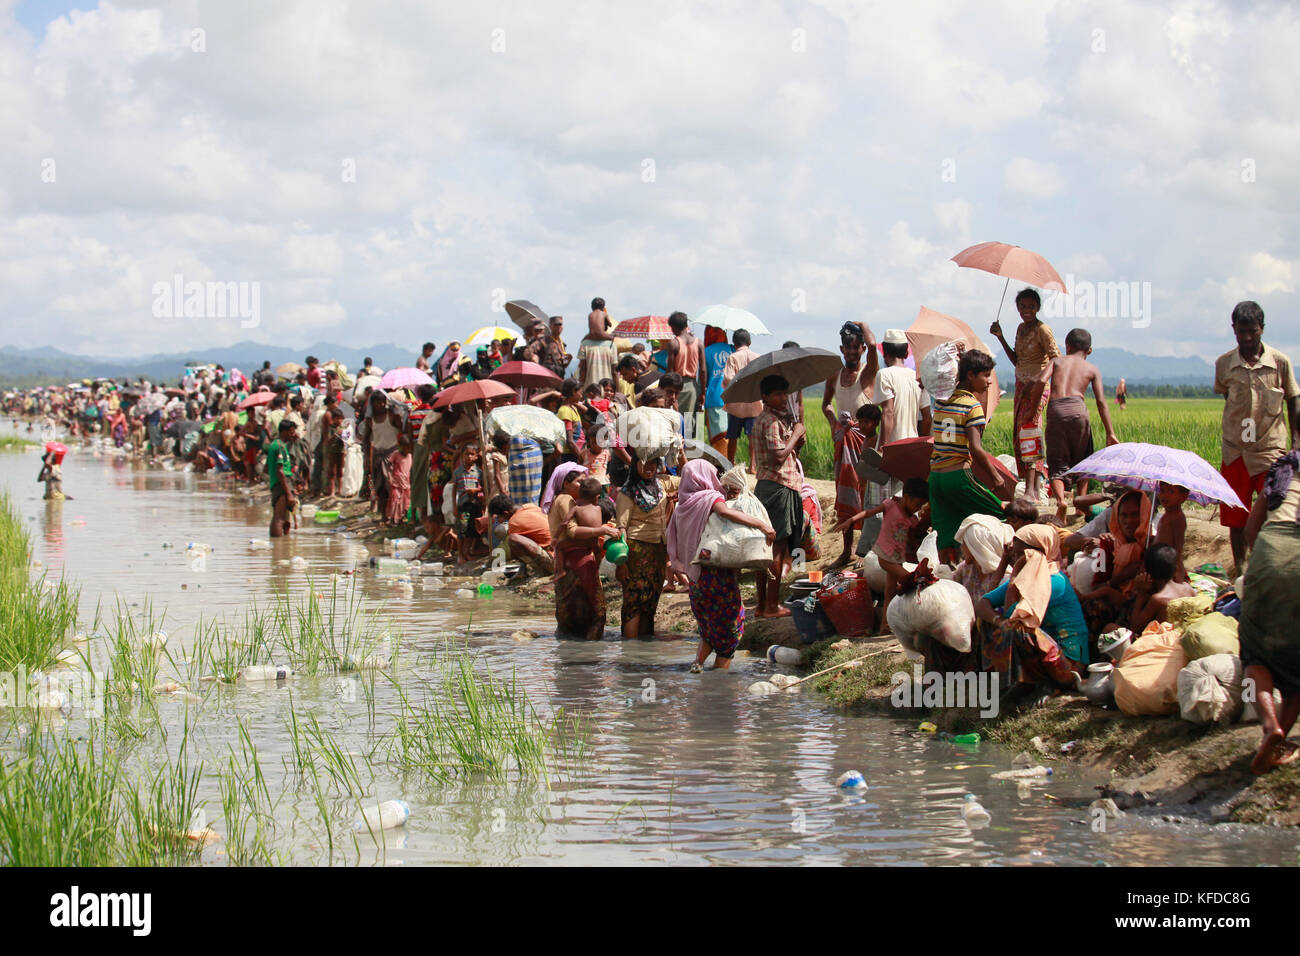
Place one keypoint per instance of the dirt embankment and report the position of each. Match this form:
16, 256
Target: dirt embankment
1153, 761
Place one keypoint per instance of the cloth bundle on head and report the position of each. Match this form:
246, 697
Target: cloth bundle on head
1032, 584
985, 537
737, 479
561, 475
699, 491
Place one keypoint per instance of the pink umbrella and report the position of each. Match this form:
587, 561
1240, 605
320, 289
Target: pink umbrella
1004, 259
933, 328
526, 375
405, 378
264, 397
644, 327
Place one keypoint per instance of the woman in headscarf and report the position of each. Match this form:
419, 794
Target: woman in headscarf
1121, 550
448, 362
715, 592
1270, 606
643, 509
983, 540
1032, 627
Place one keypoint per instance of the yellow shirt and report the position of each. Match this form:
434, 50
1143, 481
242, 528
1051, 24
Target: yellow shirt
648, 526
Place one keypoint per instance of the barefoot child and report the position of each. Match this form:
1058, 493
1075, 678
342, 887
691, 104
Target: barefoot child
1172, 527
1156, 587
468, 482
579, 594
397, 472
279, 477
900, 517
1069, 432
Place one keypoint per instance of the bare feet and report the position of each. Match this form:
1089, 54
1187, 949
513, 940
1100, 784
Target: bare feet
777, 612
1271, 752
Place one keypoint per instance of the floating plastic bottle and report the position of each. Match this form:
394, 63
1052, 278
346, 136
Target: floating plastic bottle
259, 544
198, 547
298, 562
1023, 773
391, 566
780, 654
973, 812
851, 780
276, 672
964, 738
485, 590
435, 568
463, 593
383, 816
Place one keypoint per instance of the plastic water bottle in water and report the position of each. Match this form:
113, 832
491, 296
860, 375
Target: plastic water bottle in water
197, 547
383, 816
391, 566
485, 590
435, 568
275, 672
258, 544
973, 811
779, 654
298, 562
1024, 773
851, 780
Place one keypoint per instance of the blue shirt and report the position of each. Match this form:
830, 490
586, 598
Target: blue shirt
715, 362
1064, 621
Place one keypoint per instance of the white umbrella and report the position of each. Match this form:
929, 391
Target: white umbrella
729, 318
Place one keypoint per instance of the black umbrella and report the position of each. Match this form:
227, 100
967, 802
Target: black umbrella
801, 367
525, 313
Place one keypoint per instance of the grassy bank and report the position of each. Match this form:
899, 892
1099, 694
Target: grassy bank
1152, 761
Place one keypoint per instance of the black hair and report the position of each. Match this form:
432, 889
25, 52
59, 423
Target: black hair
500, 505
790, 345
869, 412
1079, 339
671, 381
917, 488
426, 392
650, 396
427, 345
1027, 293
570, 387
608, 510
740, 338
287, 424
851, 332
500, 440
891, 350
606, 383
598, 303
589, 489
311, 359
628, 361
973, 362
1161, 561
677, 321
773, 383
369, 361
1021, 509
1248, 313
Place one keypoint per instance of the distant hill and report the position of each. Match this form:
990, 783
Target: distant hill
46, 365
1136, 369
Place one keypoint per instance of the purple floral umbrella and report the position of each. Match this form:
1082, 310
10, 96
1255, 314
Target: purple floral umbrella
1142, 466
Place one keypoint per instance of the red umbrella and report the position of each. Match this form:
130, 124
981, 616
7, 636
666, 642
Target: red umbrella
526, 375
644, 327
264, 397
472, 392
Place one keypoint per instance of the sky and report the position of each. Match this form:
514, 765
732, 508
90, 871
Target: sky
393, 172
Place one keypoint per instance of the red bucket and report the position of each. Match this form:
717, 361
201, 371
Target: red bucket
57, 449
848, 604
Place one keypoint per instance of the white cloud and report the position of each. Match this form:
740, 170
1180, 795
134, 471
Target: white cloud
1032, 180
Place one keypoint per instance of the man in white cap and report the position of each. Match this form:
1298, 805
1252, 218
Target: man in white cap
904, 411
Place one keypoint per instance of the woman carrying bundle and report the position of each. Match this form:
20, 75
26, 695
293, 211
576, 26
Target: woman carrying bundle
715, 592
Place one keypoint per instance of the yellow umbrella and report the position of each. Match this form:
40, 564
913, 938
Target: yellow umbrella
489, 334
289, 369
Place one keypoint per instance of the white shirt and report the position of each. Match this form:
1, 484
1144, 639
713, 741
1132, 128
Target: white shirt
899, 383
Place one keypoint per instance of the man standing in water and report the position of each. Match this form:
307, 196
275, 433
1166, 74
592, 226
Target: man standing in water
279, 477
686, 358
1259, 416
850, 389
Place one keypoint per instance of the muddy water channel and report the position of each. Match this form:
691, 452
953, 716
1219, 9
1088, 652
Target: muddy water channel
696, 772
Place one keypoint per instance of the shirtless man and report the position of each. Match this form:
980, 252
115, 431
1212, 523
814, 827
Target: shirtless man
597, 355
1156, 587
686, 358
1069, 432
599, 322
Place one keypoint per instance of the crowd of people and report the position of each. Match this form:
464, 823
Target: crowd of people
559, 506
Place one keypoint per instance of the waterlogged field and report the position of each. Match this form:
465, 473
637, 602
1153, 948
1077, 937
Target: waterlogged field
507, 747
1189, 423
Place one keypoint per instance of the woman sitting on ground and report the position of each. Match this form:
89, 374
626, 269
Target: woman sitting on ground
985, 543
1032, 628
1120, 555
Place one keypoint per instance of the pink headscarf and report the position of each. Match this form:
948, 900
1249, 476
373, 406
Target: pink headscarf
696, 496
561, 474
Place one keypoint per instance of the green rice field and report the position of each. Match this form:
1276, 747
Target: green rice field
1190, 423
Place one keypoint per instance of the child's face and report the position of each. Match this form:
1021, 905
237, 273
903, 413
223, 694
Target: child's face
777, 399
912, 505
471, 456
1171, 496
867, 427
979, 383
